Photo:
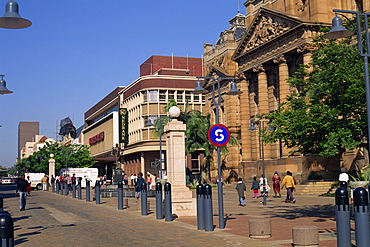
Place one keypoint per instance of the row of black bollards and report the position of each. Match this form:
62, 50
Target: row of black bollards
62, 189
167, 201
361, 217
204, 207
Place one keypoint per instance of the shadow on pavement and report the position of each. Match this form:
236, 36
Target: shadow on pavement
35, 231
8, 191
321, 211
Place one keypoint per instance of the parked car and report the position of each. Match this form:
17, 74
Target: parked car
6, 181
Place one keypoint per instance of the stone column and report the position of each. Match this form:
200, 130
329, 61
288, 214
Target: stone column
284, 89
142, 164
232, 121
263, 106
245, 119
51, 167
183, 204
263, 99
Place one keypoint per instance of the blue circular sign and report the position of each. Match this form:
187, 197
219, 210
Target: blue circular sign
219, 135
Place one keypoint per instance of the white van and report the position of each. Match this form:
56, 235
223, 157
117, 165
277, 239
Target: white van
35, 180
84, 173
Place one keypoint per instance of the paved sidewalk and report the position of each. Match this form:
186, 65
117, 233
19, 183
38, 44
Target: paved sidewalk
56, 220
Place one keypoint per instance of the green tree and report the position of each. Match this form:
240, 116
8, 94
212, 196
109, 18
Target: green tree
327, 113
74, 155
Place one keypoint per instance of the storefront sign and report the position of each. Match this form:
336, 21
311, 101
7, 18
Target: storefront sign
97, 138
123, 125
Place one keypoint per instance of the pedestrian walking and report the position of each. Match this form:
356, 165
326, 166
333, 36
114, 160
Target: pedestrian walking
29, 188
149, 182
44, 181
125, 178
255, 187
69, 183
52, 180
289, 184
73, 178
138, 186
264, 187
22, 191
240, 187
276, 184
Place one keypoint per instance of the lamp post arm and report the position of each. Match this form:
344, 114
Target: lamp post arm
358, 29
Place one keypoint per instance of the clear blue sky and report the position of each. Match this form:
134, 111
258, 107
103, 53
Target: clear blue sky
76, 52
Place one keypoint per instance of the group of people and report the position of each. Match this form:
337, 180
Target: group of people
261, 188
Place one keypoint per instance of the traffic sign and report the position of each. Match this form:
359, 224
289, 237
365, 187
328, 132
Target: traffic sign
219, 135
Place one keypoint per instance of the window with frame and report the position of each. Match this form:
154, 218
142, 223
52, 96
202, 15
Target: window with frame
162, 95
171, 94
179, 96
153, 95
187, 96
145, 96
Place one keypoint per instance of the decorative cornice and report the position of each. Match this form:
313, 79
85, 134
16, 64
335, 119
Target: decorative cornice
308, 47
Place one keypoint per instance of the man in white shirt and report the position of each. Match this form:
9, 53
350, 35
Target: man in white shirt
343, 177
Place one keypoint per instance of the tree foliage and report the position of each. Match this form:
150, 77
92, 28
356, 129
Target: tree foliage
326, 115
74, 155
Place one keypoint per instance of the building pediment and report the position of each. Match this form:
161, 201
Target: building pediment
268, 26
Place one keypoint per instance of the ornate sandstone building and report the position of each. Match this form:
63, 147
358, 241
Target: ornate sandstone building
261, 50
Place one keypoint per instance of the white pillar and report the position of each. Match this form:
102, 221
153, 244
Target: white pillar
183, 204
51, 167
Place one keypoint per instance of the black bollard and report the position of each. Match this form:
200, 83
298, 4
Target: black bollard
200, 207
120, 195
79, 189
52, 187
74, 189
167, 202
342, 213
97, 192
65, 187
57, 188
47, 186
1, 203
361, 211
61, 188
6, 229
87, 190
158, 201
144, 200
208, 211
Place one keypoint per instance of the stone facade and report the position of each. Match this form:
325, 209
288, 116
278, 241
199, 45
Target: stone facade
277, 39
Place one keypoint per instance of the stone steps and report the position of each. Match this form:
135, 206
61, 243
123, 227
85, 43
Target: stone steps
315, 188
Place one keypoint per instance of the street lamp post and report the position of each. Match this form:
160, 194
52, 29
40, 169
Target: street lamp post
3, 88
66, 153
41, 158
11, 20
160, 130
233, 91
262, 155
339, 31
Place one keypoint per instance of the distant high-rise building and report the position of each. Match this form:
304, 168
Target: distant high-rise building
26, 133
